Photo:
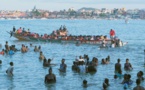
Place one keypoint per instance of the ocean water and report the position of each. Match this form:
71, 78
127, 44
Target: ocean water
29, 72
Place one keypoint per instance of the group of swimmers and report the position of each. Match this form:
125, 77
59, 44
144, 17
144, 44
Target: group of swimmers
9, 49
127, 77
81, 65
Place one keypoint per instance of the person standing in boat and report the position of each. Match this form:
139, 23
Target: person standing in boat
14, 29
64, 28
112, 34
60, 27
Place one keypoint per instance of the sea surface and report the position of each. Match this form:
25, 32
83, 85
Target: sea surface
29, 72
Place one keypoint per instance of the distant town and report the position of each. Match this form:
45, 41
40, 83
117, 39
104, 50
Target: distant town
82, 13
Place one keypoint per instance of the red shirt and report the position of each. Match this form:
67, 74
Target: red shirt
112, 33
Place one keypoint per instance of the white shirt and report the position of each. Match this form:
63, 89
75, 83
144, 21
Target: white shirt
10, 70
81, 60
82, 68
113, 45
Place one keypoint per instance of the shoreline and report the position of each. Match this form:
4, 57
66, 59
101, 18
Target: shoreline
66, 19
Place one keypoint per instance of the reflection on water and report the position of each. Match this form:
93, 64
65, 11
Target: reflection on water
29, 72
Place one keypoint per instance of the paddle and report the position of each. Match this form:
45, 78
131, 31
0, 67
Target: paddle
11, 33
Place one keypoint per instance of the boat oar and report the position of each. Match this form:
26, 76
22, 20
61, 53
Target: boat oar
11, 33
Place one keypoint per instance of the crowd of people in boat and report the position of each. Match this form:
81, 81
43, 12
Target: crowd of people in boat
62, 34
81, 65
62, 31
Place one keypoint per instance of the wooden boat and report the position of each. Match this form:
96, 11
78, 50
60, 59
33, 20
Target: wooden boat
60, 39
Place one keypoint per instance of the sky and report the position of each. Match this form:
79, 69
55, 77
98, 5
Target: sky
56, 5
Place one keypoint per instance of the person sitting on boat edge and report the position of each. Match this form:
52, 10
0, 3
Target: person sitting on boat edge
50, 78
63, 66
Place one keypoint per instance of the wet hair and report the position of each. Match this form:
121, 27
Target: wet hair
118, 60
127, 59
49, 60
50, 69
85, 82
63, 59
11, 63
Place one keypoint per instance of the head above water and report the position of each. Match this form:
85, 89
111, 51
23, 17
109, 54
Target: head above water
106, 81
127, 60
11, 63
118, 60
50, 70
49, 60
63, 60
85, 82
